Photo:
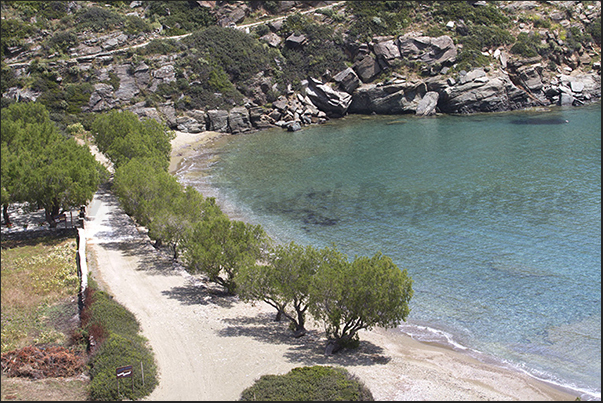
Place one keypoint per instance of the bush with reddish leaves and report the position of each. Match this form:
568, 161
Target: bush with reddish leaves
37, 362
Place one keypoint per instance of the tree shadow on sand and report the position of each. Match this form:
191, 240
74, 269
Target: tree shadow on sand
305, 350
199, 294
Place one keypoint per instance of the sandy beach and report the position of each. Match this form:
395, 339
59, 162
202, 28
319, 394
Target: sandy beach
247, 344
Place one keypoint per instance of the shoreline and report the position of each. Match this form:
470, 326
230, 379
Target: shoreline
416, 370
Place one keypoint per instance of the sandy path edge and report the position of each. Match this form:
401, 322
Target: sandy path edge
211, 347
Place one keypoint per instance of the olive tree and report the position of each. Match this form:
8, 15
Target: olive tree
350, 296
41, 166
219, 248
283, 282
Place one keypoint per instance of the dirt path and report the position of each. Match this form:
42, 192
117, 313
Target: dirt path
208, 347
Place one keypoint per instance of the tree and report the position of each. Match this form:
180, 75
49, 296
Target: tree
121, 136
283, 282
144, 188
219, 248
171, 223
359, 295
41, 166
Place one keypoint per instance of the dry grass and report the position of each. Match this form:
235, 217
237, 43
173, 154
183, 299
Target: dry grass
65, 389
39, 307
39, 281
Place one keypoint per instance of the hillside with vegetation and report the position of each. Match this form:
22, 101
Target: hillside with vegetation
233, 66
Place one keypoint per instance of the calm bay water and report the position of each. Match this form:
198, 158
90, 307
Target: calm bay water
497, 218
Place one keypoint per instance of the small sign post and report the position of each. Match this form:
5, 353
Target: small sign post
124, 372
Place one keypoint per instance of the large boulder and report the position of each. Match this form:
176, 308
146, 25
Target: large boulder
387, 99
272, 39
484, 94
427, 105
427, 49
127, 84
217, 120
367, 68
238, 120
327, 99
102, 98
386, 51
347, 80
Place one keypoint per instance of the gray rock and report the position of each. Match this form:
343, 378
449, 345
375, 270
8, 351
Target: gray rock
367, 68
497, 94
238, 120
165, 73
530, 77
427, 105
386, 51
327, 99
566, 99
387, 99
577, 86
21, 94
281, 103
295, 40
169, 114
294, 126
427, 49
272, 39
127, 84
347, 80
217, 120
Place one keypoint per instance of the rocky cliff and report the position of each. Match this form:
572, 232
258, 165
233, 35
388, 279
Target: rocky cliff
414, 72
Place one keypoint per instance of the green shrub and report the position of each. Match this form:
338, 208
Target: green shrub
62, 41
179, 17
529, 45
487, 15
135, 25
594, 30
161, 47
317, 383
98, 19
115, 330
379, 18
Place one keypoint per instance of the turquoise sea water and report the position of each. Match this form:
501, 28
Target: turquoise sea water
497, 218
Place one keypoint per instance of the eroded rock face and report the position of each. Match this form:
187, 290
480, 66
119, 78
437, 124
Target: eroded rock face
238, 120
327, 99
427, 105
367, 68
387, 99
347, 80
217, 120
427, 49
483, 94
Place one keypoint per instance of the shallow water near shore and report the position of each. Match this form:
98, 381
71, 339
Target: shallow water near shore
497, 218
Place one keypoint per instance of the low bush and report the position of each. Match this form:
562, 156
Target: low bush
98, 19
317, 383
118, 344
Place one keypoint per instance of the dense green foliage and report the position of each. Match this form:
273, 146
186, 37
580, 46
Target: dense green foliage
283, 282
304, 384
350, 296
179, 17
41, 166
145, 188
220, 248
98, 19
115, 332
122, 136
374, 18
